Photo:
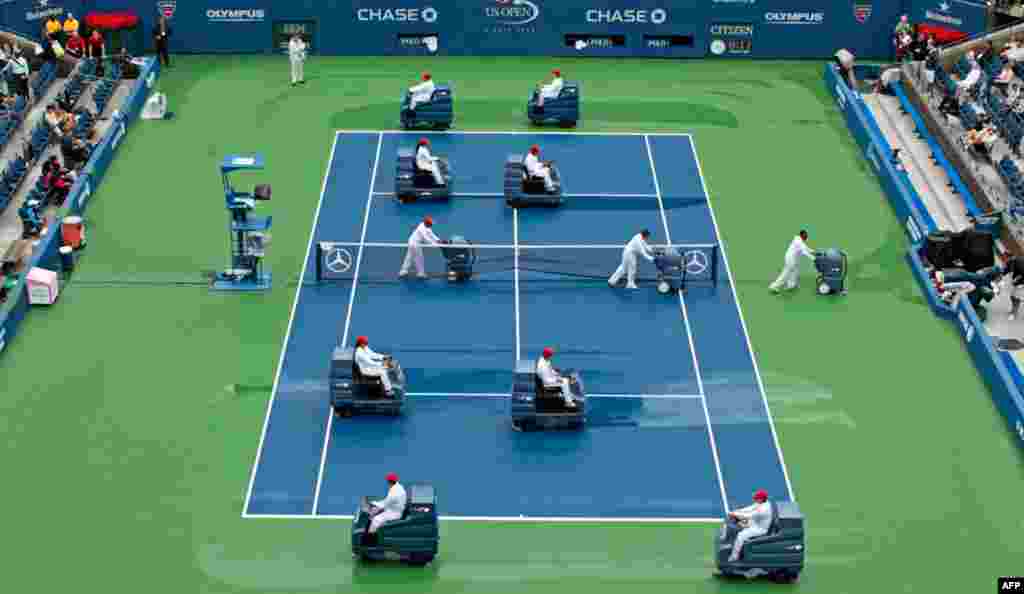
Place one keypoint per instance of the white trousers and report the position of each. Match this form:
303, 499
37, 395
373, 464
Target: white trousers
566, 391
545, 174
788, 278
298, 71
417, 99
742, 538
413, 255
382, 517
627, 268
435, 170
380, 372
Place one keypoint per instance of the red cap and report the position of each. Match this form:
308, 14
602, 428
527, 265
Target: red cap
548, 352
535, 149
556, 72
426, 76
423, 141
362, 341
429, 222
392, 477
761, 495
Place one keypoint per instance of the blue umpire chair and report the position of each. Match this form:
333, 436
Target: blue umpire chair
563, 110
436, 113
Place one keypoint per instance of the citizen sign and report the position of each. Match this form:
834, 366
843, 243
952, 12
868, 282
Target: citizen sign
794, 18
628, 15
397, 15
236, 15
732, 30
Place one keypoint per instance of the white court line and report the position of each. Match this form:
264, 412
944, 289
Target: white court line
515, 274
348, 319
504, 395
511, 519
513, 246
689, 337
502, 195
512, 133
288, 332
743, 322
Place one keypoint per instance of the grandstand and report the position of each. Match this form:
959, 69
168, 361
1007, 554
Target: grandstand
161, 437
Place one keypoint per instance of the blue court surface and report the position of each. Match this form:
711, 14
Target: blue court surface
678, 427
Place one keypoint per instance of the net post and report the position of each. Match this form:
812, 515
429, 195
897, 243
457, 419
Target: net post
319, 262
714, 264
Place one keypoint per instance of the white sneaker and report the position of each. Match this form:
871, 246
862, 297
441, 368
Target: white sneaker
421, 276
1013, 317
571, 404
403, 274
632, 287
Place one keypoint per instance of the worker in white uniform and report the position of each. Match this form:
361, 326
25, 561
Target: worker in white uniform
372, 364
636, 247
550, 90
422, 235
391, 507
789, 278
551, 378
297, 56
539, 169
755, 519
422, 92
428, 162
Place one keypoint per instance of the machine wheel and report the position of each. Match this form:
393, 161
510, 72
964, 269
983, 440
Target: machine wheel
664, 287
343, 411
786, 576
420, 559
567, 124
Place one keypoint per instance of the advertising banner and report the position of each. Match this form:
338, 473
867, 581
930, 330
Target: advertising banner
643, 28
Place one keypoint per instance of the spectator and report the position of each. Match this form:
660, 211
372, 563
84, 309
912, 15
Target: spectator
70, 26
75, 46
161, 35
904, 26
75, 152
845, 60
59, 187
128, 67
19, 70
1005, 76
981, 139
52, 50
96, 47
968, 83
52, 27
919, 49
53, 120
984, 53
902, 37
51, 165
904, 45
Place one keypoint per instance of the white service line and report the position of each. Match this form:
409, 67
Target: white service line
510, 519
504, 395
512, 246
515, 268
288, 332
689, 337
348, 319
501, 195
743, 322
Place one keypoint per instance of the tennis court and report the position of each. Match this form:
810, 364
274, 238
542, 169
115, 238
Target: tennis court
671, 378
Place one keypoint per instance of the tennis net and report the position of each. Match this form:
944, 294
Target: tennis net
381, 262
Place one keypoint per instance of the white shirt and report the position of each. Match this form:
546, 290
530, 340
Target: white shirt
797, 248
638, 247
395, 500
547, 374
422, 91
533, 165
759, 515
424, 160
552, 89
367, 359
972, 77
423, 235
297, 49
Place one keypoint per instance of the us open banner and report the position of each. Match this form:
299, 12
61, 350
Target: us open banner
650, 28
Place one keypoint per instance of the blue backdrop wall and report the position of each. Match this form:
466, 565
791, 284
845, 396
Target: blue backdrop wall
667, 28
